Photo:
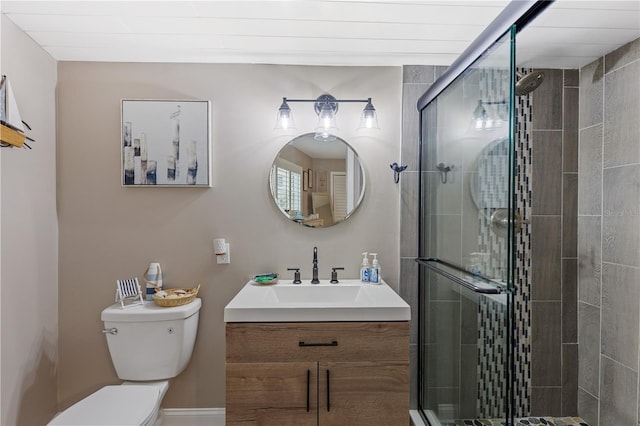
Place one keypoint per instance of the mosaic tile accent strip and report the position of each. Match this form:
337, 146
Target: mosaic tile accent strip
492, 359
525, 421
523, 285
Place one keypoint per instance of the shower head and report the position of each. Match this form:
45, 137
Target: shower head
528, 83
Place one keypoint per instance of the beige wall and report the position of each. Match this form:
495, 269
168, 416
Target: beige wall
109, 232
29, 239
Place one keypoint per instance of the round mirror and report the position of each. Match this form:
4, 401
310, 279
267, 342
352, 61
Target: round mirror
489, 182
317, 183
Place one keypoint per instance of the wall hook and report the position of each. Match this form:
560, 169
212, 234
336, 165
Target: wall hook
443, 171
396, 171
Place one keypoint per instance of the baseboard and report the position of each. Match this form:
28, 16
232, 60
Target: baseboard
193, 417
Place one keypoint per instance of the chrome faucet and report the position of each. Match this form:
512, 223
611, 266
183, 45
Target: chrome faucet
315, 279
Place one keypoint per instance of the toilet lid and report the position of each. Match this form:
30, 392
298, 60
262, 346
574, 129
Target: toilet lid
121, 405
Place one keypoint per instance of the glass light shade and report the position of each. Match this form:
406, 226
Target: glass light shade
284, 119
369, 118
326, 128
480, 119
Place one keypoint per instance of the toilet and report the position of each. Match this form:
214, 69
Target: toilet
148, 345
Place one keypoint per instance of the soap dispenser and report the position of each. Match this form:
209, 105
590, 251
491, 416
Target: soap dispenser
365, 270
374, 276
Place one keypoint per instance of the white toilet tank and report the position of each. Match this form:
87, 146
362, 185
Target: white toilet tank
149, 342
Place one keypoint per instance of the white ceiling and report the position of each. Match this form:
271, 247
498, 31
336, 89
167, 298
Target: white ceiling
570, 33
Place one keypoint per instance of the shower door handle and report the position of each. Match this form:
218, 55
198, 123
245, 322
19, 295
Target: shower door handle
430, 262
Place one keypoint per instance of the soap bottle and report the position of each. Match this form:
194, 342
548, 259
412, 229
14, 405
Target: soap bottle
365, 270
374, 277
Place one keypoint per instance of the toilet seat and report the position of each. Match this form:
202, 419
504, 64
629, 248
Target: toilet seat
122, 405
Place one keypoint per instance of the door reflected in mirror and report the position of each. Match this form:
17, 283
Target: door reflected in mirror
317, 183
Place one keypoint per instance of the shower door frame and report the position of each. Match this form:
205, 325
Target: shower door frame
476, 284
513, 18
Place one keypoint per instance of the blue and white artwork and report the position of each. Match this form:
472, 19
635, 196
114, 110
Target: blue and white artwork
166, 143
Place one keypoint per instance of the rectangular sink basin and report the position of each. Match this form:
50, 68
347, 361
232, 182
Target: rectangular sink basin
330, 295
349, 300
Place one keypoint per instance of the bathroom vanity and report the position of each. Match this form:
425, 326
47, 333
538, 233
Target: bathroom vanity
297, 367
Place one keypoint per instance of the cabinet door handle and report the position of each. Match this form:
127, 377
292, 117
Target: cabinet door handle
308, 382
304, 344
328, 392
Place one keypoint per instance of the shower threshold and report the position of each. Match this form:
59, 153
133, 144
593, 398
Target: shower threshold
416, 420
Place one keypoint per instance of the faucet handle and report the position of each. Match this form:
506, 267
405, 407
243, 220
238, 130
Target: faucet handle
334, 274
296, 275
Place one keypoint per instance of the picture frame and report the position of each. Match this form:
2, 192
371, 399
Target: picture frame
305, 180
310, 177
165, 143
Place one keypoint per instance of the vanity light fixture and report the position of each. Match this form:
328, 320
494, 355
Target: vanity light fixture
484, 119
326, 107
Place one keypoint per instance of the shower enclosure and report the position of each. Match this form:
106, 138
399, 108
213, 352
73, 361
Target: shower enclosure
474, 234
466, 253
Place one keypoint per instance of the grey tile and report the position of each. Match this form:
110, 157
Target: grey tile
570, 379
468, 381
591, 89
468, 321
409, 292
621, 215
441, 288
622, 109
588, 407
622, 191
622, 56
446, 237
444, 198
590, 176
570, 130
571, 78
440, 69
569, 215
619, 394
589, 259
589, 344
443, 364
546, 266
569, 301
409, 214
546, 401
546, 197
620, 313
444, 326
547, 101
412, 74
411, 125
546, 345
620, 242
470, 222
430, 150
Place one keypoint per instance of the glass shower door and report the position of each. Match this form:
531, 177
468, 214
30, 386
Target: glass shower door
466, 244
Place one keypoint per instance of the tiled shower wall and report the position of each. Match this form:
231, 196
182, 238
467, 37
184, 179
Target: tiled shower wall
553, 298
553, 333
416, 80
609, 239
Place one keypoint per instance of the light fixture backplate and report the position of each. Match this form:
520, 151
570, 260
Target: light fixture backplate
325, 99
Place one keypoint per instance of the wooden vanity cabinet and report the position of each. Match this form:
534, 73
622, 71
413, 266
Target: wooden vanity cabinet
325, 373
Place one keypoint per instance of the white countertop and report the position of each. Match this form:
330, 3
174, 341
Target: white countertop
349, 300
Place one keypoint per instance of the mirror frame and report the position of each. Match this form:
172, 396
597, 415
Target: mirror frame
358, 202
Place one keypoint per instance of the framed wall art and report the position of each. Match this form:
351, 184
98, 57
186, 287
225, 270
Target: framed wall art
166, 143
